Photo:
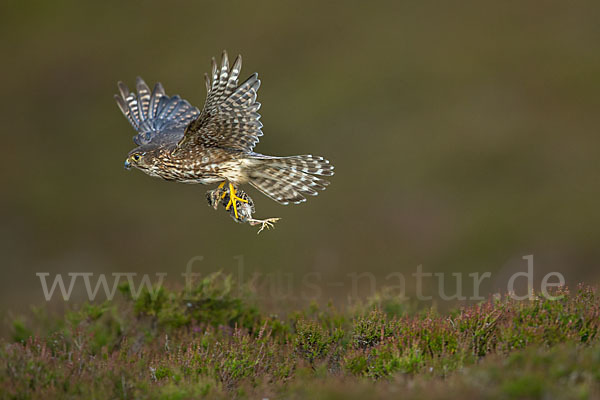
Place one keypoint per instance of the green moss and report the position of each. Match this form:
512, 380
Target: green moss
162, 372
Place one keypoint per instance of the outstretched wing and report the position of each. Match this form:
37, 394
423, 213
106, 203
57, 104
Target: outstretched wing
158, 118
230, 117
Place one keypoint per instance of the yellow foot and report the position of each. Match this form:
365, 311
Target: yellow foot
264, 223
221, 187
233, 199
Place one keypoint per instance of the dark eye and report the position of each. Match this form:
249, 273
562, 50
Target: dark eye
136, 157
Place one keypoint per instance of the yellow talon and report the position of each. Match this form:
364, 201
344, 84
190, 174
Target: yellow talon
221, 187
232, 199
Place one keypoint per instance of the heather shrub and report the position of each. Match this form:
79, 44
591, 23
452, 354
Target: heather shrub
211, 343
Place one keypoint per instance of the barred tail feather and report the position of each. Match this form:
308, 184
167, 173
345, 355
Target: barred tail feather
290, 179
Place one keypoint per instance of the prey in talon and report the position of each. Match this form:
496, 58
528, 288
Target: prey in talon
244, 209
179, 142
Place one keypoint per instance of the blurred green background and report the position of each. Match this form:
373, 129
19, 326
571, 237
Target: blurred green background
464, 134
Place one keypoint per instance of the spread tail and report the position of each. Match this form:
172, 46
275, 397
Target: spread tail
289, 179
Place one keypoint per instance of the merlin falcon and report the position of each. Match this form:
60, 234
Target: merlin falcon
178, 142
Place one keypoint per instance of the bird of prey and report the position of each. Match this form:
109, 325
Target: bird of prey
178, 142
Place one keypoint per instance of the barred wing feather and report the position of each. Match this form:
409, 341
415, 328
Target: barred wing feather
157, 117
230, 117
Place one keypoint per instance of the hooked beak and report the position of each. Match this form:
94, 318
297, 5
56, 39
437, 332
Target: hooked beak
127, 164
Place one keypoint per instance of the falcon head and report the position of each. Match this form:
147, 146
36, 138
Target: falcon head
138, 159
